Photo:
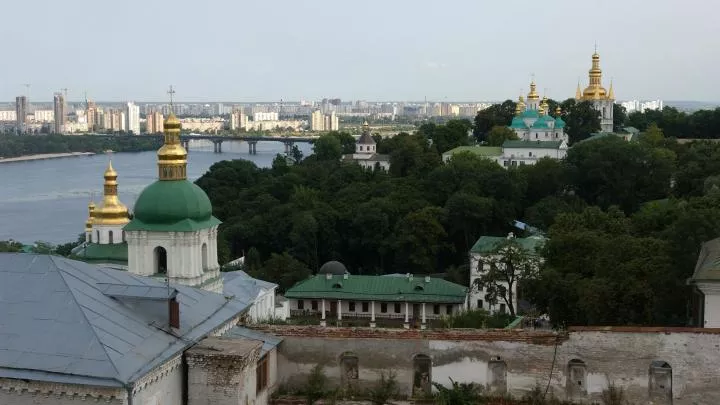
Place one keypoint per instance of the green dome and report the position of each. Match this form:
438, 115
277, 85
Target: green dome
177, 205
540, 124
559, 123
518, 122
530, 114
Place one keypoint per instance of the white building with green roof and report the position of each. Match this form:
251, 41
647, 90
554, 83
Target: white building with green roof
482, 254
335, 295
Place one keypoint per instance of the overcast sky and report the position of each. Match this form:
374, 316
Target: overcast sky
266, 50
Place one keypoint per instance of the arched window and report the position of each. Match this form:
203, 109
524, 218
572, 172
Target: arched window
123, 236
576, 383
110, 237
90, 237
97, 234
422, 374
349, 368
660, 381
160, 260
204, 257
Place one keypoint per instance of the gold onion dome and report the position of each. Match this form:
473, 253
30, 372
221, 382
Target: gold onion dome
91, 215
558, 111
533, 95
111, 211
520, 106
594, 90
172, 157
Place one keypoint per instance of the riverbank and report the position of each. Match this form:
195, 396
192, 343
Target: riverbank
43, 156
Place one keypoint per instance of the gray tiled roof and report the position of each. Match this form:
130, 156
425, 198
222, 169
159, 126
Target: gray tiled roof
56, 324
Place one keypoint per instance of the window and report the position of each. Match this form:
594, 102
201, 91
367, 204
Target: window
448, 309
204, 254
314, 305
90, 238
160, 260
123, 236
397, 308
361, 148
436, 309
97, 235
351, 306
383, 308
514, 163
261, 374
522, 163
349, 366
480, 304
502, 308
301, 304
110, 237
536, 135
365, 307
422, 373
505, 163
530, 154
575, 382
660, 381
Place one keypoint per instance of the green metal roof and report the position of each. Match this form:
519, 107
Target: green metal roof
487, 244
378, 288
540, 124
532, 144
94, 252
530, 114
559, 123
172, 206
518, 122
477, 150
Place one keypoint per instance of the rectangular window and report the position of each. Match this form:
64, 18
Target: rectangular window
436, 309
479, 304
514, 163
397, 308
383, 308
536, 135
351, 306
505, 163
448, 309
522, 163
502, 308
314, 305
365, 307
261, 374
301, 304
530, 154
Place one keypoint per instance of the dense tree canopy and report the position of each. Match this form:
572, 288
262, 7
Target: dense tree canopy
700, 124
14, 145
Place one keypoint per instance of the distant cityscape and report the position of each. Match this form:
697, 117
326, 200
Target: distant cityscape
137, 118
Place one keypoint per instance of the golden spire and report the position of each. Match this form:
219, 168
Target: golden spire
558, 111
594, 90
578, 93
91, 215
111, 211
172, 157
611, 92
544, 107
533, 95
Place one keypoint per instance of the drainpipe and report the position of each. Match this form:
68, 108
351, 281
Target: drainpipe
129, 388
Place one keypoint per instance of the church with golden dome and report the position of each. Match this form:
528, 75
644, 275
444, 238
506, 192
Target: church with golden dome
105, 241
601, 99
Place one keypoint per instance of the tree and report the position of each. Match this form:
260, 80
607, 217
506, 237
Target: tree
283, 269
496, 114
327, 148
296, 154
653, 136
619, 116
445, 137
346, 140
419, 240
499, 134
509, 265
581, 119
10, 246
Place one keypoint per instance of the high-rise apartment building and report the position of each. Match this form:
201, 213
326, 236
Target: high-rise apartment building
91, 112
132, 118
154, 123
238, 120
21, 110
317, 121
59, 113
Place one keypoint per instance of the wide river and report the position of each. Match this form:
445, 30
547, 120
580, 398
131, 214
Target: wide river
46, 200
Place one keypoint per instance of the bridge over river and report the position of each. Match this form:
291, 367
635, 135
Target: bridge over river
218, 140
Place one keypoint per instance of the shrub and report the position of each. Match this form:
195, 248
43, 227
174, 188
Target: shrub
385, 388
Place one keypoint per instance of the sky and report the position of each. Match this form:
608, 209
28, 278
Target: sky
268, 50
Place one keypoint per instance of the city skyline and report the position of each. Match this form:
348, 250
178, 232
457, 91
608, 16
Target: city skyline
454, 51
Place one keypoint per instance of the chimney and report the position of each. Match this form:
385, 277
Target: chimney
174, 312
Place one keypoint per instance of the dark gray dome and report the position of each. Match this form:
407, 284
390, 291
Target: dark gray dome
333, 267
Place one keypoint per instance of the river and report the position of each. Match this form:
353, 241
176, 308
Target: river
47, 199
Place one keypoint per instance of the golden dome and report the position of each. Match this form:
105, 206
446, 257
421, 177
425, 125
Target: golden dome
111, 211
558, 111
533, 95
594, 90
172, 157
91, 215
520, 106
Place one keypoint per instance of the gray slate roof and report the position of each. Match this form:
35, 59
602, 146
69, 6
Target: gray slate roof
707, 268
240, 284
269, 341
57, 325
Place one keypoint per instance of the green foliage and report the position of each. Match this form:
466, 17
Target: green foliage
477, 319
581, 119
385, 388
701, 124
10, 246
496, 114
445, 137
614, 395
327, 148
346, 140
315, 389
499, 134
458, 393
619, 116
13, 146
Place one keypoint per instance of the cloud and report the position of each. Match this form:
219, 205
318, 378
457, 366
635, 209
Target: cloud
435, 65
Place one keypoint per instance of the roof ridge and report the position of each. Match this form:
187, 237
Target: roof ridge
63, 272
